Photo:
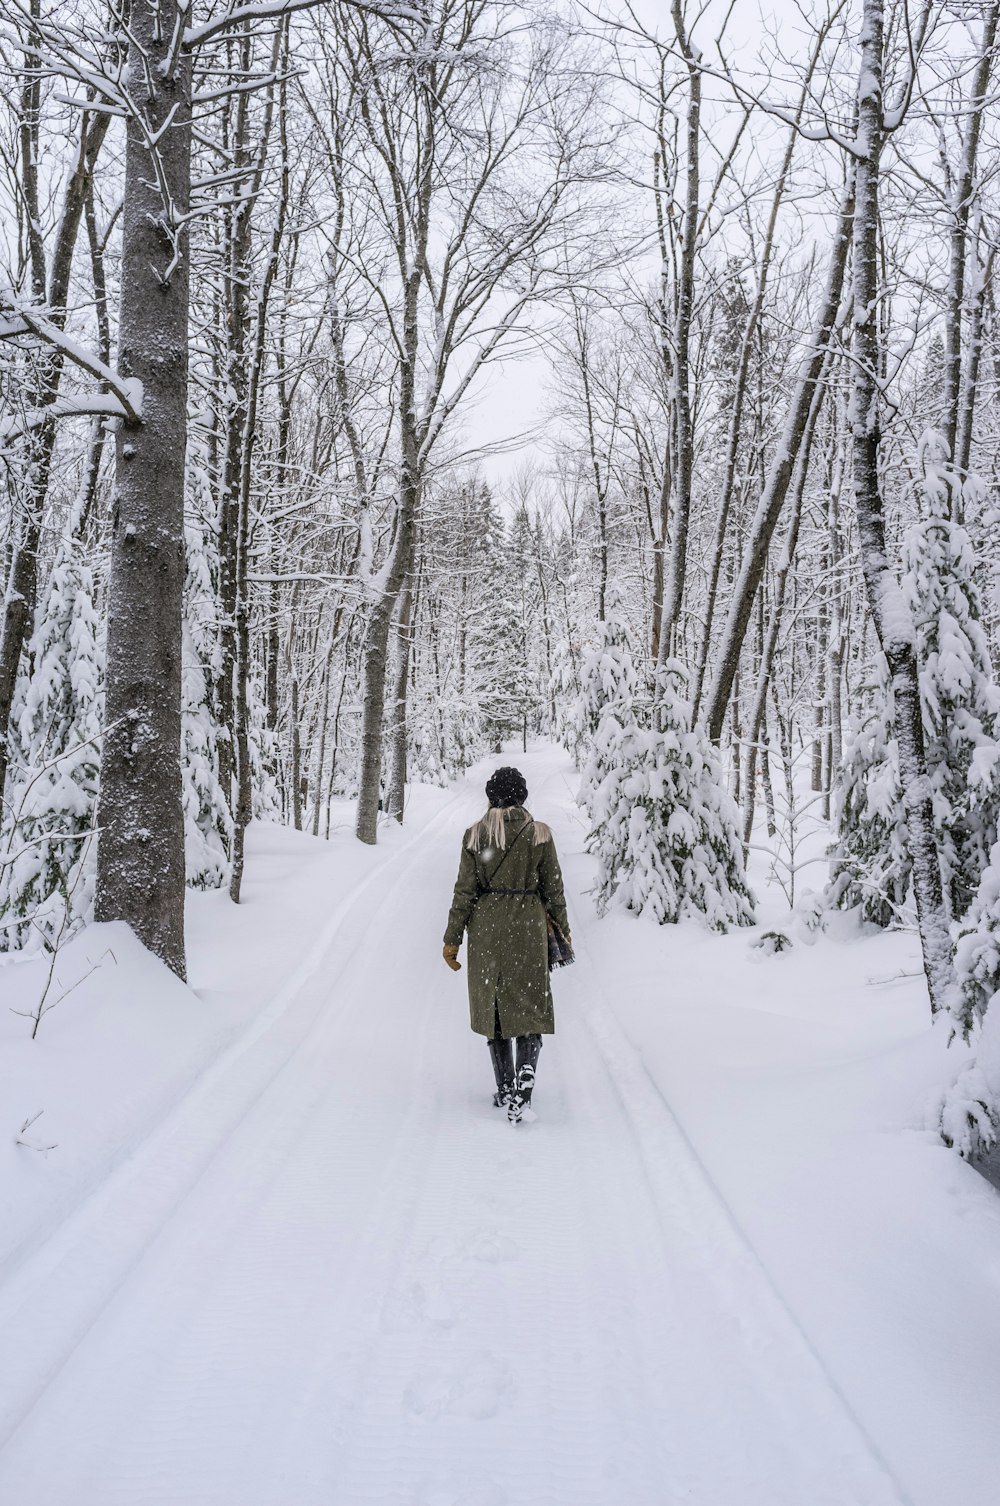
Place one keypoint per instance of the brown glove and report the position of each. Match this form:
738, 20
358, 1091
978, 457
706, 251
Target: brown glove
450, 955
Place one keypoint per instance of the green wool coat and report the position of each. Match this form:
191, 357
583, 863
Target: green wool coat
508, 955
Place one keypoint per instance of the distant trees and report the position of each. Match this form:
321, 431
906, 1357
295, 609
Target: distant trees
274, 258
460, 170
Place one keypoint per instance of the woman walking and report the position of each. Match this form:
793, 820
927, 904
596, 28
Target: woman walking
509, 889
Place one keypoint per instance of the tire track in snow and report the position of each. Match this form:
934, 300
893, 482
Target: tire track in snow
360, 1289
516, 1381
48, 1305
809, 1409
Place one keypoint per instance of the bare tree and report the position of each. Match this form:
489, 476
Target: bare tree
888, 607
477, 150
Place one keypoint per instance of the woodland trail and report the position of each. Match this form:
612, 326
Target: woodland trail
336, 1277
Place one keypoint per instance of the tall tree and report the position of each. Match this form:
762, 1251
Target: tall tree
140, 854
892, 617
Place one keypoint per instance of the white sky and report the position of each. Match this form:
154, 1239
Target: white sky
514, 397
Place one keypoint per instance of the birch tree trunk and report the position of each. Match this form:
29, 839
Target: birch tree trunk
889, 610
140, 855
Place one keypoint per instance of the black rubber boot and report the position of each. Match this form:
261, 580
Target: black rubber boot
528, 1047
502, 1057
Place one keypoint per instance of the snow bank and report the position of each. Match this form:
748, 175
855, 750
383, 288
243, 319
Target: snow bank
128, 1040
107, 1061
804, 1080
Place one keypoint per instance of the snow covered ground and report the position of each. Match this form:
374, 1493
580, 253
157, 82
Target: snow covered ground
284, 1252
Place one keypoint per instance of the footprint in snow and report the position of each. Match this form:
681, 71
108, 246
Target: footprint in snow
442, 1248
477, 1389
416, 1306
489, 1248
486, 1386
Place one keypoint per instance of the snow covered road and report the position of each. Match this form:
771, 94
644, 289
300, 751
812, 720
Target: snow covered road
334, 1276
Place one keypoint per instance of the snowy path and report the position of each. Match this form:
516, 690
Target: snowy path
334, 1277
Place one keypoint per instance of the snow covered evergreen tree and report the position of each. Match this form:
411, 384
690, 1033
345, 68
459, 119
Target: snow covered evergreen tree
977, 952
609, 681
969, 1118
207, 820
263, 757
960, 708
870, 862
498, 642
568, 727
960, 700
47, 877
665, 829
608, 672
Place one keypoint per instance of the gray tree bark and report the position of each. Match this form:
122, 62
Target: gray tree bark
769, 640
140, 855
376, 655
684, 458
778, 480
964, 194
396, 793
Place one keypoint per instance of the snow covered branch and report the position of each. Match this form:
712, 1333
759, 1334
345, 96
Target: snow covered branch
20, 319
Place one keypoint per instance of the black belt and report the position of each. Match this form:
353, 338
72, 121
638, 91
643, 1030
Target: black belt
505, 892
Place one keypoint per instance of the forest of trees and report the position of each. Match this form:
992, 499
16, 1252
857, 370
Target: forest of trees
259, 262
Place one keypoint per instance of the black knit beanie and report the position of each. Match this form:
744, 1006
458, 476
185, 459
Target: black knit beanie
506, 787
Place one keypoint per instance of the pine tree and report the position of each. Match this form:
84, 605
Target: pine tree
609, 682
497, 665
569, 726
263, 756
207, 820
870, 862
960, 706
47, 878
969, 1119
977, 952
959, 699
608, 671
665, 829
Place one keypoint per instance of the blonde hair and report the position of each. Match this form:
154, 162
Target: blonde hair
491, 829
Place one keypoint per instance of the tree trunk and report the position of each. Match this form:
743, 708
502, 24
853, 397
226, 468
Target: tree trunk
889, 610
244, 420
51, 289
140, 855
296, 755
821, 716
778, 481
376, 646
321, 750
659, 548
757, 746
684, 457
965, 190
396, 794
974, 343
747, 343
